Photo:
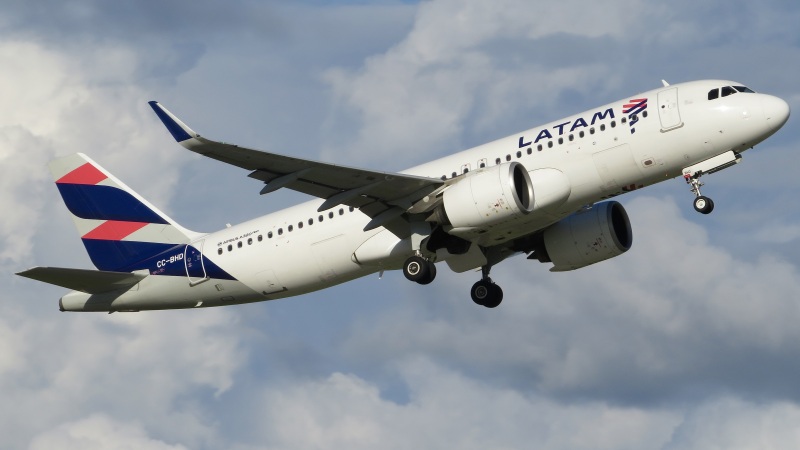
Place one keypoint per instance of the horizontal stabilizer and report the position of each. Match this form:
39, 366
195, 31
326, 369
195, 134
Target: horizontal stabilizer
89, 281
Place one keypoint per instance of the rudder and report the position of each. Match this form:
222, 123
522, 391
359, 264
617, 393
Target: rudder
118, 227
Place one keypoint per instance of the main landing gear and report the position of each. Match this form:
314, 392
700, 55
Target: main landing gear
485, 292
702, 204
419, 270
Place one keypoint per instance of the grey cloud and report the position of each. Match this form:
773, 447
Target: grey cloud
137, 20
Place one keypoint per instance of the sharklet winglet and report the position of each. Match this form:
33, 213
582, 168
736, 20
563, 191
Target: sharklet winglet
179, 130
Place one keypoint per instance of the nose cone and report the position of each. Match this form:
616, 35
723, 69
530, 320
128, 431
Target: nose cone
776, 111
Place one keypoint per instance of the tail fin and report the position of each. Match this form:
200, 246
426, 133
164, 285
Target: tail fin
118, 227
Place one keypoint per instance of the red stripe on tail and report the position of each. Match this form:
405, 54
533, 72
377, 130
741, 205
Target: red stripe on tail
85, 174
114, 230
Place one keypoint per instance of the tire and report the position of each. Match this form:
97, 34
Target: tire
703, 205
486, 293
431, 274
480, 292
417, 269
495, 296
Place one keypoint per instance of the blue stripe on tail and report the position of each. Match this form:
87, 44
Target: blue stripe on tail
106, 203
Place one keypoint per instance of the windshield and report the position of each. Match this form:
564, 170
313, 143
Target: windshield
728, 90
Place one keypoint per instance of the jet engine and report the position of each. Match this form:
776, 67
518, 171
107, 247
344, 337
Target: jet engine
486, 197
586, 237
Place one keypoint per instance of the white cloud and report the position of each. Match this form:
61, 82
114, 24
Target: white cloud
735, 424
145, 366
60, 103
447, 410
99, 432
56, 367
416, 97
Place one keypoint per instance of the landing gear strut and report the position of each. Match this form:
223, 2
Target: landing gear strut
485, 292
702, 204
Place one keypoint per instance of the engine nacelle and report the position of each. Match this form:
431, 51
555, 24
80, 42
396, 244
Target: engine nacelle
587, 237
487, 197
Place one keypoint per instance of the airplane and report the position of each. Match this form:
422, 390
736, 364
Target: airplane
543, 192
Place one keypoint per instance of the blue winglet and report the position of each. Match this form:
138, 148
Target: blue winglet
178, 129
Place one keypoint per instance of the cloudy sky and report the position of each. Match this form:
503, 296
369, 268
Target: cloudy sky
690, 340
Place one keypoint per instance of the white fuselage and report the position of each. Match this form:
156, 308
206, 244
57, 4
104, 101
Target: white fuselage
300, 250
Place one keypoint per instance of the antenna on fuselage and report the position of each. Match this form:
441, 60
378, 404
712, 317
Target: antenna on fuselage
664, 82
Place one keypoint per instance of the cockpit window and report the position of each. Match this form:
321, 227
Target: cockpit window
727, 90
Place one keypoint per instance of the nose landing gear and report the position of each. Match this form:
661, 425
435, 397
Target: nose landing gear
702, 204
692, 174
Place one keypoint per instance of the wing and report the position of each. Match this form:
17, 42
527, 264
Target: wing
382, 196
89, 281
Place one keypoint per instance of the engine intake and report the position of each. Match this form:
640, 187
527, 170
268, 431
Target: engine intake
487, 197
587, 237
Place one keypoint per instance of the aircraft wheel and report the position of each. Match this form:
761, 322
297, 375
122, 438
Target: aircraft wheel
431, 274
703, 204
486, 293
417, 269
495, 296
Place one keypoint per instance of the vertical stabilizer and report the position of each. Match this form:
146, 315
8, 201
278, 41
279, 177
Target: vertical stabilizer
118, 227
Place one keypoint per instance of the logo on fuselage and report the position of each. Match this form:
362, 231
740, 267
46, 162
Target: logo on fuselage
576, 124
633, 108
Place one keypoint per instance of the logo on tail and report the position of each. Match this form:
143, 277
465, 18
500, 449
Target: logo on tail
119, 229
